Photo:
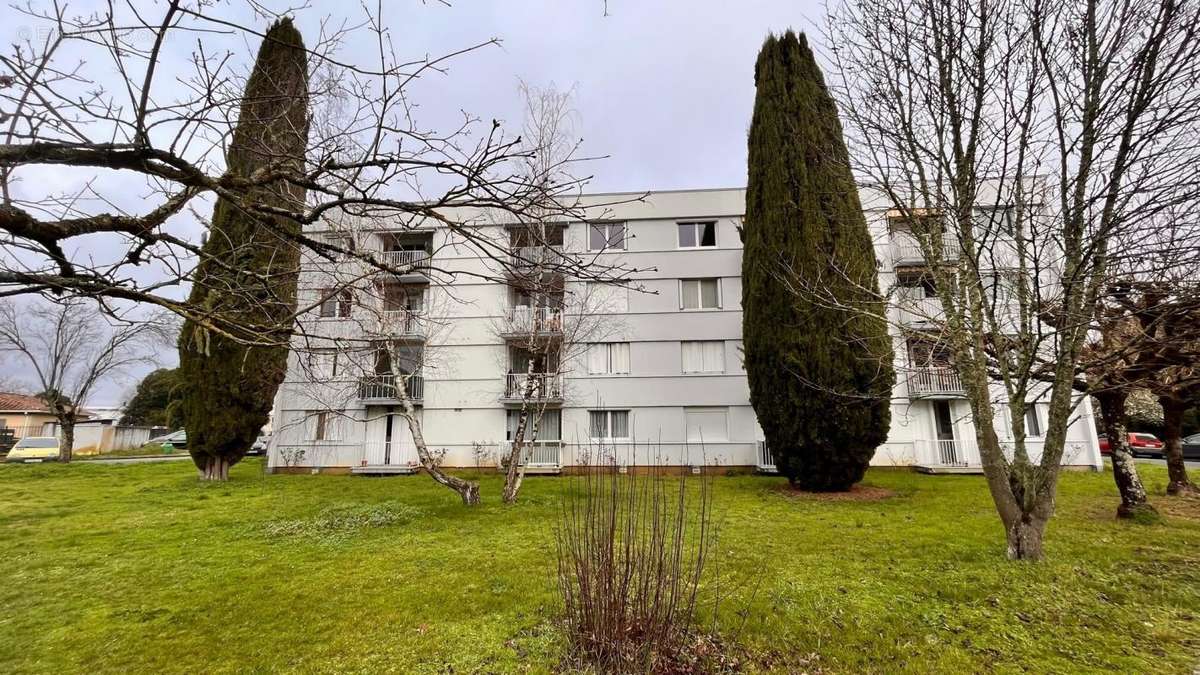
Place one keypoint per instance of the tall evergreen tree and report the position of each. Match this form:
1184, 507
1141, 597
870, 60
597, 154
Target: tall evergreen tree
250, 273
817, 351
152, 398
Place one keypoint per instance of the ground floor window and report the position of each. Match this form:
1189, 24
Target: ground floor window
607, 425
1033, 423
549, 428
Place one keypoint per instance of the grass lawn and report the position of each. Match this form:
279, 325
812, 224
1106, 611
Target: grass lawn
142, 569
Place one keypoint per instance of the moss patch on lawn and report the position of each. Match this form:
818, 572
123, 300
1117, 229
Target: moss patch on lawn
141, 568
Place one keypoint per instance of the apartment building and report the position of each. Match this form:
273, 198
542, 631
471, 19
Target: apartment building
658, 379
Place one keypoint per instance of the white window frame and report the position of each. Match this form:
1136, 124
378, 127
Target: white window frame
696, 230
608, 348
344, 298
1032, 408
606, 226
700, 294
325, 426
683, 360
608, 424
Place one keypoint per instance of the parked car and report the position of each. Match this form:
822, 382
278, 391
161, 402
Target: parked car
260, 445
33, 449
171, 442
1191, 447
1141, 445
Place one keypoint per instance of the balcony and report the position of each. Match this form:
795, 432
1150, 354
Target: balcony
527, 259
407, 263
906, 250
385, 389
524, 321
916, 311
947, 455
541, 388
935, 382
536, 456
403, 324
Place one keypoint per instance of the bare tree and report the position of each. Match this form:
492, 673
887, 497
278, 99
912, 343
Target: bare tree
158, 129
1015, 143
71, 347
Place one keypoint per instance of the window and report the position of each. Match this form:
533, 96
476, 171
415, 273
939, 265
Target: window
342, 241
1033, 424
549, 428
915, 286
607, 298
609, 424
606, 236
336, 305
706, 424
323, 362
698, 235
323, 425
608, 358
699, 294
706, 356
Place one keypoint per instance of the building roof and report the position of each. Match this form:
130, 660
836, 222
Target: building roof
10, 402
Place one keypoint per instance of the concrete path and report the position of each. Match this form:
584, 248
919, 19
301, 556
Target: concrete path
1191, 463
136, 460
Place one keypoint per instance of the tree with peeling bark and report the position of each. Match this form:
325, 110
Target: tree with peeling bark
1032, 146
249, 273
72, 347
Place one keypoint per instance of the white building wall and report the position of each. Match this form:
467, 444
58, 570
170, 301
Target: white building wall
461, 410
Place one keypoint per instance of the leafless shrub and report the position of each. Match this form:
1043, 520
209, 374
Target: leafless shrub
632, 548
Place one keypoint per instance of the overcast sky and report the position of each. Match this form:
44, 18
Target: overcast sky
663, 89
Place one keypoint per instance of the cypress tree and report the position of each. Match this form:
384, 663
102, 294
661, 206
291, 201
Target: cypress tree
818, 356
247, 278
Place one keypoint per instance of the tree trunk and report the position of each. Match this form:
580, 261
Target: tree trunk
66, 449
514, 474
1134, 501
1025, 537
214, 468
468, 491
1177, 478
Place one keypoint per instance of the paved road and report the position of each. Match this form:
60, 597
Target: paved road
136, 460
1191, 463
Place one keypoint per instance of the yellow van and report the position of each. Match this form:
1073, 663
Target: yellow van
33, 449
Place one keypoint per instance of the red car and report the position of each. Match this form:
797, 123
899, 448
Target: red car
1142, 445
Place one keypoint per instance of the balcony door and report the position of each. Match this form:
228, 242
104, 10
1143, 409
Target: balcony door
947, 446
389, 440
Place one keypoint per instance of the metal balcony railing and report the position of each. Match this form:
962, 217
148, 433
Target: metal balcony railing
527, 258
918, 310
385, 388
402, 322
546, 387
906, 250
524, 320
406, 262
535, 454
935, 382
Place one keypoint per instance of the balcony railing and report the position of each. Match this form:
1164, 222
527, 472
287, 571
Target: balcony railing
401, 322
916, 311
393, 454
766, 460
906, 250
524, 320
947, 452
535, 454
385, 388
546, 387
406, 262
935, 382
530, 258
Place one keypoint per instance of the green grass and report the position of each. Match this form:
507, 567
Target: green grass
142, 569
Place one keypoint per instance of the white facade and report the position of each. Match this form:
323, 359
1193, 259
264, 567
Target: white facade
685, 317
